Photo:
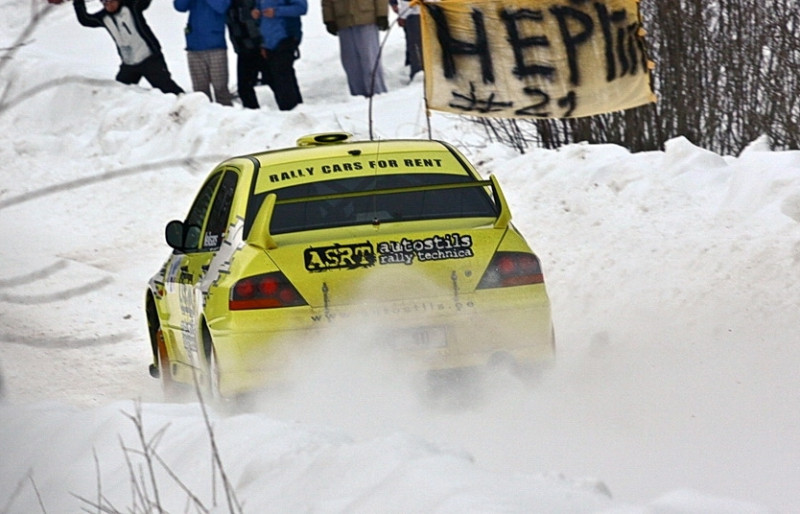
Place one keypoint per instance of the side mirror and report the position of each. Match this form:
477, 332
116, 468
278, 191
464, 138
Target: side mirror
174, 234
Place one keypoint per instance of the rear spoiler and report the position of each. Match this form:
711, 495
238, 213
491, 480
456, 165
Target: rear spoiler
504, 216
261, 237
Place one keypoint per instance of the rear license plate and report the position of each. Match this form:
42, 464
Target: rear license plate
418, 338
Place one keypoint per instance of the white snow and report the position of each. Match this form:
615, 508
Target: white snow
674, 278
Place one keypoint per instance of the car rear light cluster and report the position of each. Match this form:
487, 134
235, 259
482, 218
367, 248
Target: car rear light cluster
266, 291
512, 269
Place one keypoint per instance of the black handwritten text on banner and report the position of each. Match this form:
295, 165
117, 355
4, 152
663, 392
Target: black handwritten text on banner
534, 58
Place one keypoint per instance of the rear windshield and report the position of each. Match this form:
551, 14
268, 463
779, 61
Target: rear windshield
458, 202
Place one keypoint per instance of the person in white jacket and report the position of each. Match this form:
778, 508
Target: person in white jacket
138, 48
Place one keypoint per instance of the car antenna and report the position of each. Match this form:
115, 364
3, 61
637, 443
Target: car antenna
376, 222
374, 74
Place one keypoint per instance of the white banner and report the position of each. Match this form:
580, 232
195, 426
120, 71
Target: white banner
534, 58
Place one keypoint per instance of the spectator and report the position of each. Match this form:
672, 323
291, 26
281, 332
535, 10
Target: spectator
137, 46
245, 36
357, 22
206, 51
279, 48
408, 18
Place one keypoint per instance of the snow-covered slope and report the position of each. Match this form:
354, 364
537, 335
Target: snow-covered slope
674, 277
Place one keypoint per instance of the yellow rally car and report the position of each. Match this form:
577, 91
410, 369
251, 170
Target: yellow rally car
280, 244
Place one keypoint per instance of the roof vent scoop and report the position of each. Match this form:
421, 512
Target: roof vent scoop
324, 138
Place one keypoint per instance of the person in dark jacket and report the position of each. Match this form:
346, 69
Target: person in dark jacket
206, 51
137, 46
279, 47
245, 36
408, 17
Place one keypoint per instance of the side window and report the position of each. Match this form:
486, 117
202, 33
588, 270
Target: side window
220, 212
193, 225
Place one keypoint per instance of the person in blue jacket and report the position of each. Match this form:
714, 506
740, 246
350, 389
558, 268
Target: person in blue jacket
206, 51
137, 46
279, 49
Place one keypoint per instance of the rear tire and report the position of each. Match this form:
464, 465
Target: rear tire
212, 369
161, 365
213, 375
168, 384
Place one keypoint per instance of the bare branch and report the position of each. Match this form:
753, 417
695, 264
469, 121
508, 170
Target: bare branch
230, 494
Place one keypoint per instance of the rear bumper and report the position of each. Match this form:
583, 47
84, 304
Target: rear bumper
256, 348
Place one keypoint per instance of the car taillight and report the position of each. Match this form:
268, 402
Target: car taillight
512, 269
266, 291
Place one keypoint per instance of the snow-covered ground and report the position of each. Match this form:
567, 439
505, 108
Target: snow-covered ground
674, 277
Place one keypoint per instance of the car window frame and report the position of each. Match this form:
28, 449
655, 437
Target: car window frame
220, 214
456, 182
202, 210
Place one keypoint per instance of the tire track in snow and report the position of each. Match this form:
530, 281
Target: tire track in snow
188, 162
28, 336
64, 342
65, 294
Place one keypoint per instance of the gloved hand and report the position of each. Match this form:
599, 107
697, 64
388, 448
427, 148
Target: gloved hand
382, 22
331, 27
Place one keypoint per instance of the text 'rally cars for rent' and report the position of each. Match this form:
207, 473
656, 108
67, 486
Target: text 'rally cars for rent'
402, 234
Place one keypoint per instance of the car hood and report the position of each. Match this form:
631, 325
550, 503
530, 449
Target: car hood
372, 264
